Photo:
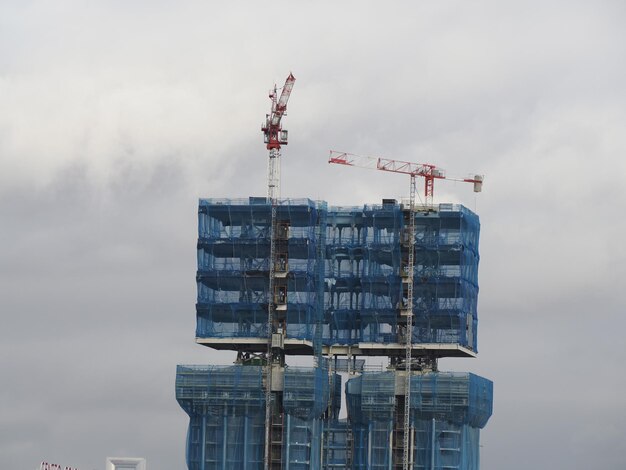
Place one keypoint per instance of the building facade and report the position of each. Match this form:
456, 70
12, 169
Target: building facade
333, 281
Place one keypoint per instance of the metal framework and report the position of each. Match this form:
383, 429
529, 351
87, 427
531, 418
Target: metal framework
408, 312
429, 173
343, 268
270, 332
274, 138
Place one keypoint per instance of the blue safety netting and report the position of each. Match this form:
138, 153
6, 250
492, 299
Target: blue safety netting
308, 404
226, 407
343, 269
337, 452
447, 411
233, 266
345, 266
371, 407
365, 258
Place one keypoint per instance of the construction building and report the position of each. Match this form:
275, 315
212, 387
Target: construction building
279, 278
339, 296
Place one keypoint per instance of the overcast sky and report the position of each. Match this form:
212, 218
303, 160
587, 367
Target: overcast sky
116, 116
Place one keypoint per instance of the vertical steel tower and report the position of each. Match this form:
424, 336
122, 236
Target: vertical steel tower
274, 137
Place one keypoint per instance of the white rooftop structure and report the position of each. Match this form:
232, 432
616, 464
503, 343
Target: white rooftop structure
125, 463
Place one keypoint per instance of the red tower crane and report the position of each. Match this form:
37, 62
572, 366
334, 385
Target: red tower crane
275, 136
427, 171
430, 173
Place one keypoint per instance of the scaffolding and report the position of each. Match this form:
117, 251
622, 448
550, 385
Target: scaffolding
354, 267
226, 407
335, 281
447, 411
337, 452
365, 270
233, 267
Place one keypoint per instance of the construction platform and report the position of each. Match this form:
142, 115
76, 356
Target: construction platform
300, 347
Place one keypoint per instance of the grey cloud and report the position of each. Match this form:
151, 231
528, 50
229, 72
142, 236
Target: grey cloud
115, 118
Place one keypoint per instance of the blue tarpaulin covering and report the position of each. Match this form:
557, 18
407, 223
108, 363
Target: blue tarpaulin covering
344, 271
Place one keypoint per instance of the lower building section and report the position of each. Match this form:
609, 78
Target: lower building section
227, 415
226, 406
447, 411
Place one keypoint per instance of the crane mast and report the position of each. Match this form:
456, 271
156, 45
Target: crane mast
430, 173
274, 137
407, 312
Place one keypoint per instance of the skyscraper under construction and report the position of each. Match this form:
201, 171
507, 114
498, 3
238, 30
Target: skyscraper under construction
279, 278
339, 294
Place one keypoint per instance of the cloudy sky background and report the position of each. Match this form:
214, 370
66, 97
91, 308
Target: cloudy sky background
116, 116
